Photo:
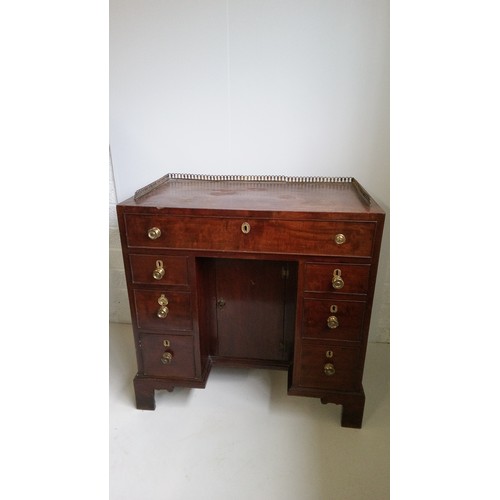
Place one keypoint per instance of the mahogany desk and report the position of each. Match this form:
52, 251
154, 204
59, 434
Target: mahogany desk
272, 272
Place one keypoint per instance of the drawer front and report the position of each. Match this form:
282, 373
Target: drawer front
333, 319
168, 356
158, 270
177, 316
351, 278
316, 362
251, 235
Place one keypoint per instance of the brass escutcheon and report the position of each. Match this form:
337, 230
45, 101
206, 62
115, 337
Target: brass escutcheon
332, 322
245, 228
154, 233
159, 272
337, 281
340, 239
162, 300
329, 369
329, 354
166, 343
333, 308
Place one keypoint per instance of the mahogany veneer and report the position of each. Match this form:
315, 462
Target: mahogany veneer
270, 272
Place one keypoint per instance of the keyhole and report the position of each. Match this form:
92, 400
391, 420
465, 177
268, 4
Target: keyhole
221, 303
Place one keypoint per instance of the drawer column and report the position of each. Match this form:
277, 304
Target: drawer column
329, 336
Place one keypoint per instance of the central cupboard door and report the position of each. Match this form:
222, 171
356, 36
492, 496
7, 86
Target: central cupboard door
255, 309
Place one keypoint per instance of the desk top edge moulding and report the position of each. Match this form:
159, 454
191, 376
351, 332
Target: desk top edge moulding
252, 271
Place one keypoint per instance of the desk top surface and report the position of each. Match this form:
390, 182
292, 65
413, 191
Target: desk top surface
256, 193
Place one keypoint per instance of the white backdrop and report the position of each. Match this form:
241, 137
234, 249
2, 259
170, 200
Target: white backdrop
297, 87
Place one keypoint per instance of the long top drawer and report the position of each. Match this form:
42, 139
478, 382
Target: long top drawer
316, 237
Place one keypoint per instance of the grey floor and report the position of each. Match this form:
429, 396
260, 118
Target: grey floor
243, 438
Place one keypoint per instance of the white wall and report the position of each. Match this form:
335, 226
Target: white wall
297, 87
119, 311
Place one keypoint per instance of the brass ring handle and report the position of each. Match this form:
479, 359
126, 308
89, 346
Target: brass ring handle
166, 358
340, 239
329, 369
154, 233
332, 322
159, 272
162, 312
337, 281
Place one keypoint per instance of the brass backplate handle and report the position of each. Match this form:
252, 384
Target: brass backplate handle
332, 322
337, 281
340, 239
154, 233
163, 309
162, 312
159, 272
329, 369
166, 357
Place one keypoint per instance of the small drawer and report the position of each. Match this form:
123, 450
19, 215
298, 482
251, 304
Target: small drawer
168, 356
160, 310
333, 319
337, 278
182, 232
341, 238
328, 367
158, 270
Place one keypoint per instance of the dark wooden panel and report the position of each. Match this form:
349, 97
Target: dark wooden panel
251, 309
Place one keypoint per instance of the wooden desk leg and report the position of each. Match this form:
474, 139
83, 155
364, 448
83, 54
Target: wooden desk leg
352, 412
144, 394
353, 406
